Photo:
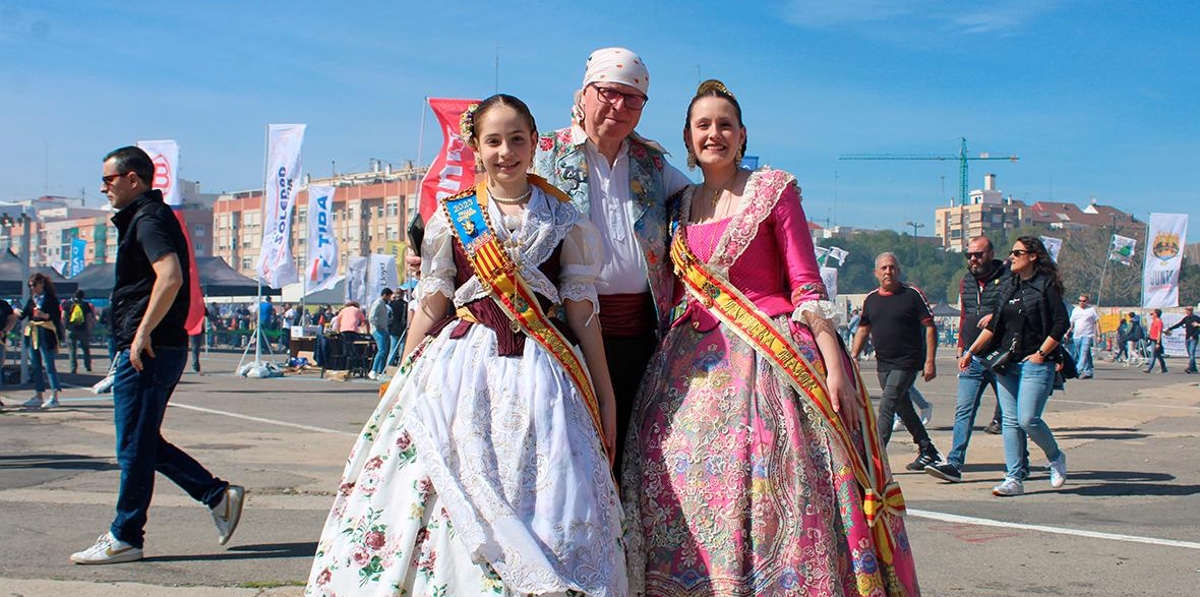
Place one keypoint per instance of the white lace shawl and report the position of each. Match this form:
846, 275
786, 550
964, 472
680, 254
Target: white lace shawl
543, 224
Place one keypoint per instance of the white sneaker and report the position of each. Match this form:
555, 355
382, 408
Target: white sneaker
105, 385
926, 415
371, 375
228, 513
51, 403
34, 402
107, 550
1058, 470
897, 424
1008, 488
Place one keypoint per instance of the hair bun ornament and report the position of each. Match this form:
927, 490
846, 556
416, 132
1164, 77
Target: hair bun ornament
466, 123
712, 85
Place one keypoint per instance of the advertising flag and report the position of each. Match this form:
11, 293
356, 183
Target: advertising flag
1122, 249
321, 271
276, 267
822, 255
381, 273
838, 253
165, 155
356, 280
1053, 246
454, 168
829, 276
1164, 257
78, 251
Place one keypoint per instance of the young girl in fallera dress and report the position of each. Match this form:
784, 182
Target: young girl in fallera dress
484, 471
752, 465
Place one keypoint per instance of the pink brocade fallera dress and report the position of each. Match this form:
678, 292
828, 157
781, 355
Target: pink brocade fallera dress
733, 484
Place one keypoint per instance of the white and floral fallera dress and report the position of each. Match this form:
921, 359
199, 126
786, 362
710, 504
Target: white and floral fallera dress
481, 474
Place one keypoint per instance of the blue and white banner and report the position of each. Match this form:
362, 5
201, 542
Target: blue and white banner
381, 273
356, 281
320, 273
276, 267
78, 256
1164, 257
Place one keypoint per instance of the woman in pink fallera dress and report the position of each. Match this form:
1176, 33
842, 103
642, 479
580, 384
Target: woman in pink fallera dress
753, 470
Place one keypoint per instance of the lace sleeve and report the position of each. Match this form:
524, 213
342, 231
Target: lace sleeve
437, 260
580, 262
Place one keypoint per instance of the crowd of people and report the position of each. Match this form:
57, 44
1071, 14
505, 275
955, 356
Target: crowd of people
615, 381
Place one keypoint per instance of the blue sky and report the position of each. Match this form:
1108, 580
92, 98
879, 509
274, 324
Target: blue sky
1098, 98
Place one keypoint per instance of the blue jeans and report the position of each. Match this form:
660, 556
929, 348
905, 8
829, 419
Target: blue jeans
383, 342
972, 383
41, 358
1191, 352
1081, 351
139, 403
1023, 389
397, 348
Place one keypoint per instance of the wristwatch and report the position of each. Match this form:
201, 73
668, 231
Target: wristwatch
1044, 355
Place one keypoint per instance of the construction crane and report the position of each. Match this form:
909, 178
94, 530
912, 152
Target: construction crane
962, 158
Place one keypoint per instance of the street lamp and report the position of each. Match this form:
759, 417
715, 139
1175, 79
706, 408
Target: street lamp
915, 226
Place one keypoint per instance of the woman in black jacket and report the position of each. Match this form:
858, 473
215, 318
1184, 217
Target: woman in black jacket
41, 338
1030, 323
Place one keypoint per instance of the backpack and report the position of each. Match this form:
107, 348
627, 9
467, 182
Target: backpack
77, 317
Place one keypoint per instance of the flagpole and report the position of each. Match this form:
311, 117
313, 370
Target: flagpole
1103, 272
258, 275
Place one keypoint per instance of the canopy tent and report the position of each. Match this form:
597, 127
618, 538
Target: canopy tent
218, 279
97, 280
12, 282
293, 293
945, 310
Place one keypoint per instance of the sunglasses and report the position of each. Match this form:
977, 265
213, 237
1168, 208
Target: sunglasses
1019, 252
111, 177
976, 254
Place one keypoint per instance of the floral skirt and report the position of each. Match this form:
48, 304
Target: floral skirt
476, 475
733, 485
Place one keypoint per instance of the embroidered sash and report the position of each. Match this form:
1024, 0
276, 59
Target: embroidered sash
882, 496
471, 226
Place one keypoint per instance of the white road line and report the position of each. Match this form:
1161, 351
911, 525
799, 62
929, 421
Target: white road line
1176, 406
262, 420
1054, 530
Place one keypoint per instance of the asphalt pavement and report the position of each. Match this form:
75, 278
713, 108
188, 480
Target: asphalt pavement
1126, 523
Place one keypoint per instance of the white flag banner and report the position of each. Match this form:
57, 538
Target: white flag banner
276, 267
829, 276
822, 255
838, 253
321, 271
1164, 257
356, 280
381, 273
165, 155
1053, 246
1122, 249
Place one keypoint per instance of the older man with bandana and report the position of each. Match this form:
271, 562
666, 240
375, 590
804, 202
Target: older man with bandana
621, 181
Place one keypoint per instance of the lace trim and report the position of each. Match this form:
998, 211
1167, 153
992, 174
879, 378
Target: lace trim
808, 311
430, 285
762, 193
580, 291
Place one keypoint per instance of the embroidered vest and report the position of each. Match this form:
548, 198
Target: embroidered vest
563, 163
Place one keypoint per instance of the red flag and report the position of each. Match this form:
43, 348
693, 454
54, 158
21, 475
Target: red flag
165, 155
454, 168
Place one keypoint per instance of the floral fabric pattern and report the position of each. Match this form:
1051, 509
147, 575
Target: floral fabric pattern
733, 485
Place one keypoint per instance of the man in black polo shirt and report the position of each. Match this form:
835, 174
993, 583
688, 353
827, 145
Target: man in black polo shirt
901, 327
149, 306
979, 295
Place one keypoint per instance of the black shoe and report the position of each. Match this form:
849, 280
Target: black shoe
993, 428
924, 460
945, 471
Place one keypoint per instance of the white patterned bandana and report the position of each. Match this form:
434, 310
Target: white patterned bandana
617, 65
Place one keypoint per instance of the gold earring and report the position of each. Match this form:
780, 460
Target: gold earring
691, 160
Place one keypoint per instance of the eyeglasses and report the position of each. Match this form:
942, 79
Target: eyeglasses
976, 254
1083, 300
111, 177
611, 96
1019, 252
